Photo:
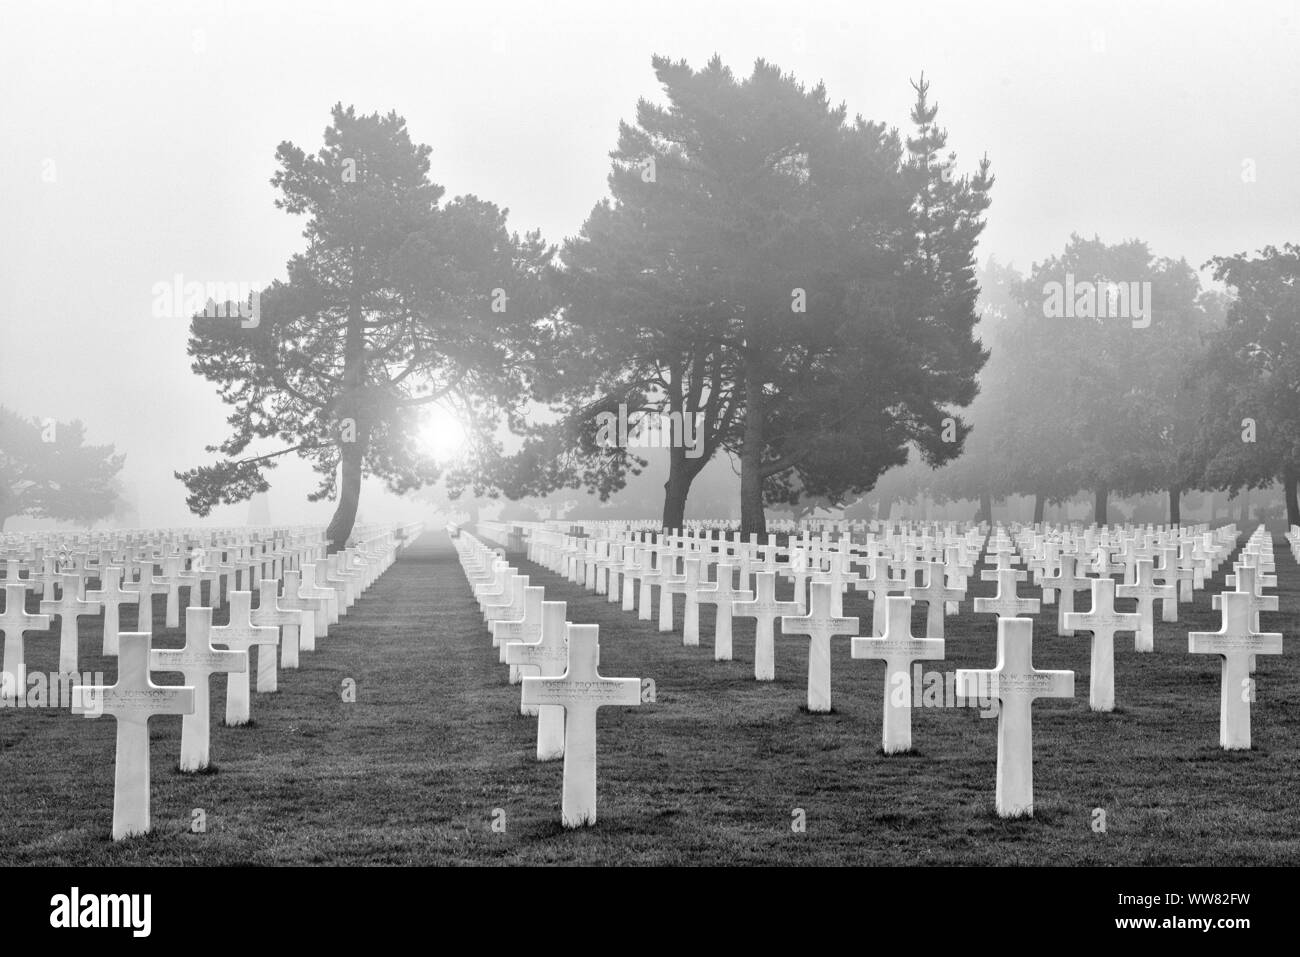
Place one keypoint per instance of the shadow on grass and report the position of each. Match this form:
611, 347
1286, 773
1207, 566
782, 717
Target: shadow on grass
200, 772
1218, 754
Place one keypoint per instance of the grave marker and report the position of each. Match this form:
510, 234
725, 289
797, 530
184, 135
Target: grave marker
112, 595
935, 593
1235, 642
527, 628
898, 649
69, 608
197, 661
241, 635
1068, 581
549, 655
722, 595
764, 608
819, 626
1103, 621
1006, 604
580, 691
132, 700
1015, 683
1145, 590
15, 623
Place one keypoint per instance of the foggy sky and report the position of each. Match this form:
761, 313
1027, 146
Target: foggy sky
160, 122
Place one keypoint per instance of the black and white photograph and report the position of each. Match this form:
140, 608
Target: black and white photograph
682, 435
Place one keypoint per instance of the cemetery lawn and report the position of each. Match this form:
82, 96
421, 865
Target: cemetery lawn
434, 749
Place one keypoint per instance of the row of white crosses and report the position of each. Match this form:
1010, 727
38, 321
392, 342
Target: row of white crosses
119, 585
1014, 682
1187, 557
705, 571
303, 613
556, 663
1190, 558
597, 563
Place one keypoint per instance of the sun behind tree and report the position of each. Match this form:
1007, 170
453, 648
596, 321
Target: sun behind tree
399, 301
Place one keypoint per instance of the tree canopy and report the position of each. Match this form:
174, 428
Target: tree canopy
48, 471
399, 300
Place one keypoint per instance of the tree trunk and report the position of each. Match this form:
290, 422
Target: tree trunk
1102, 495
353, 429
1040, 503
986, 508
1175, 505
676, 489
752, 519
1288, 487
682, 468
345, 514
886, 506
1243, 517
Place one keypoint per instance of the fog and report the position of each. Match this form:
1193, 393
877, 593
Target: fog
137, 142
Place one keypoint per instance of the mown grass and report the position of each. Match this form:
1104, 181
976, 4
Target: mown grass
413, 772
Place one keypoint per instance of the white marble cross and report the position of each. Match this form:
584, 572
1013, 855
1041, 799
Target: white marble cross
313, 608
1102, 564
1170, 574
1006, 604
112, 595
269, 613
956, 571
1235, 643
935, 593
493, 587
509, 604
691, 608
1015, 683
796, 569
1005, 559
527, 627
669, 585
197, 661
1068, 581
580, 691
313, 587
547, 657
1145, 590
192, 581
721, 595
1103, 621
1190, 573
172, 578
1245, 580
632, 559
241, 635
145, 589
14, 623
819, 625
898, 649
132, 700
649, 576
69, 608
608, 568
764, 608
